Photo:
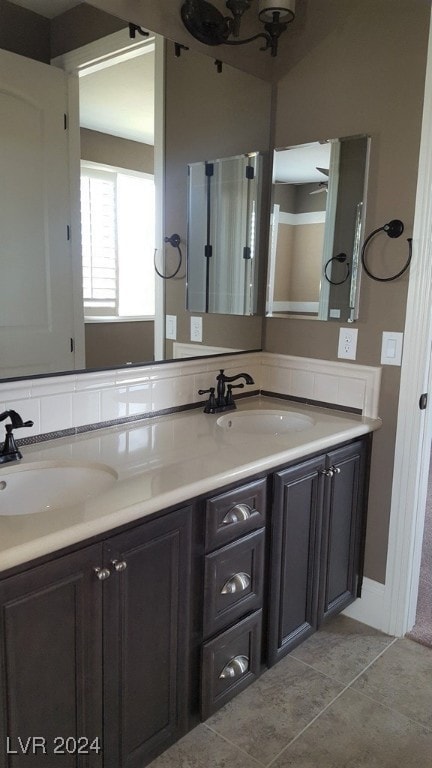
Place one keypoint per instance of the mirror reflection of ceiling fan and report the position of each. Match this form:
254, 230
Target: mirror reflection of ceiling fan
322, 185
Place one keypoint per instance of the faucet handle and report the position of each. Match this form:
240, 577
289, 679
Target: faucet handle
229, 398
16, 420
211, 402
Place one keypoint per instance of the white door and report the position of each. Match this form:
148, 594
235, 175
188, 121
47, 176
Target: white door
36, 303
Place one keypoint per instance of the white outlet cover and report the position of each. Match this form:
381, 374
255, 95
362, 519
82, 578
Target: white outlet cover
347, 347
196, 329
171, 327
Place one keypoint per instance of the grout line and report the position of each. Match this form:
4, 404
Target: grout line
231, 743
300, 733
336, 679
393, 709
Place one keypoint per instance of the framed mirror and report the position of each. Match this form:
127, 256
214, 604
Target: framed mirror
317, 217
33, 341
224, 211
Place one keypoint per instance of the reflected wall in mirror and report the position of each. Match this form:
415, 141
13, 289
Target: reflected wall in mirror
224, 211
317, 219
192, 131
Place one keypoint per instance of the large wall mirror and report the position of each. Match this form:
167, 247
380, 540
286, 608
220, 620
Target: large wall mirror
317, 217
42, 327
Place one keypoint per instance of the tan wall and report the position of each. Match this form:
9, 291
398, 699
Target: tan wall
111, 150
24, 32
358, 67
108, 345
209, 115
306, 268
283, 266
298, 262
81, 25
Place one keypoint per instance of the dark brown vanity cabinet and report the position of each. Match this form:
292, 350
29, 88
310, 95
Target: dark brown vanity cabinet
146, 612
51, 664
316, 543
110, 653
233, 593
95, 648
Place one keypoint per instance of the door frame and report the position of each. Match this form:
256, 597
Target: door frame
91, 57
414, 426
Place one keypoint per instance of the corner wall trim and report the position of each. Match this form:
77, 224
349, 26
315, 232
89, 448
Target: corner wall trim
369, 608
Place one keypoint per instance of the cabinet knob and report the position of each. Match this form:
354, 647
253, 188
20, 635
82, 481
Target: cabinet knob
336, 470
328, 472
119, 565
238, 513
235, 668
102, 573
237, 583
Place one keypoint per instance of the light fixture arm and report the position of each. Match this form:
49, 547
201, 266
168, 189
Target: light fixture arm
237, 8
274, 29
207, 24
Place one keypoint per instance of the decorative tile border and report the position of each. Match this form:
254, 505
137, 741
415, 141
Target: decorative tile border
68, 404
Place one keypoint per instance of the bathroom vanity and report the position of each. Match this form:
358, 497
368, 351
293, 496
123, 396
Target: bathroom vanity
130, 616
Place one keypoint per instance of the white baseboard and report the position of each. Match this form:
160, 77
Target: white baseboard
370, 607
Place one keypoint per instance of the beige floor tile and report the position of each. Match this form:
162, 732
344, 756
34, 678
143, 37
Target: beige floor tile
402, 679
202, 748
264, 718
355, 732
342, 648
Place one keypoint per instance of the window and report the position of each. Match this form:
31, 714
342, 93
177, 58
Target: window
117, 223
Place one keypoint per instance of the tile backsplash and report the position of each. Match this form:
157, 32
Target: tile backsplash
78, 400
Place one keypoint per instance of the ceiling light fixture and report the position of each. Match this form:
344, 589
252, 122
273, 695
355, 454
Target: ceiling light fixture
208, 25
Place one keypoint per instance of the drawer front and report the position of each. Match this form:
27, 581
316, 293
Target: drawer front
233, 581
230, 663
232, 514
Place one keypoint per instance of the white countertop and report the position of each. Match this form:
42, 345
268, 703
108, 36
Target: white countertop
161, 462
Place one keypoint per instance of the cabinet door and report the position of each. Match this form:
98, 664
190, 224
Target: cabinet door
146, 631
295, 536
344, 512
50, 665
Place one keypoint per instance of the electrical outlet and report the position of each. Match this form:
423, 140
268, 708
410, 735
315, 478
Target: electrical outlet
196, 329
171, 327
347, 347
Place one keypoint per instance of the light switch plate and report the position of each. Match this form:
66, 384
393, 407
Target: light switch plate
391, 348
171, 327
196, 329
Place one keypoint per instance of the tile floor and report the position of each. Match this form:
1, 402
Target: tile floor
349, 697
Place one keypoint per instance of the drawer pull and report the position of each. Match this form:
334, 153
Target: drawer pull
238, 514
235, 668
237, 583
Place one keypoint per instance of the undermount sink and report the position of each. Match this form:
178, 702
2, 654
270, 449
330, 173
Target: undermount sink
39, 486
265, 422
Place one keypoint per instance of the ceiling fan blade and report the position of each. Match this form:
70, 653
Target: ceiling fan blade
322, 187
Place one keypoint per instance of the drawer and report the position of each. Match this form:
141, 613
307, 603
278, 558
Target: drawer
230, 663
232, 514
233, 581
